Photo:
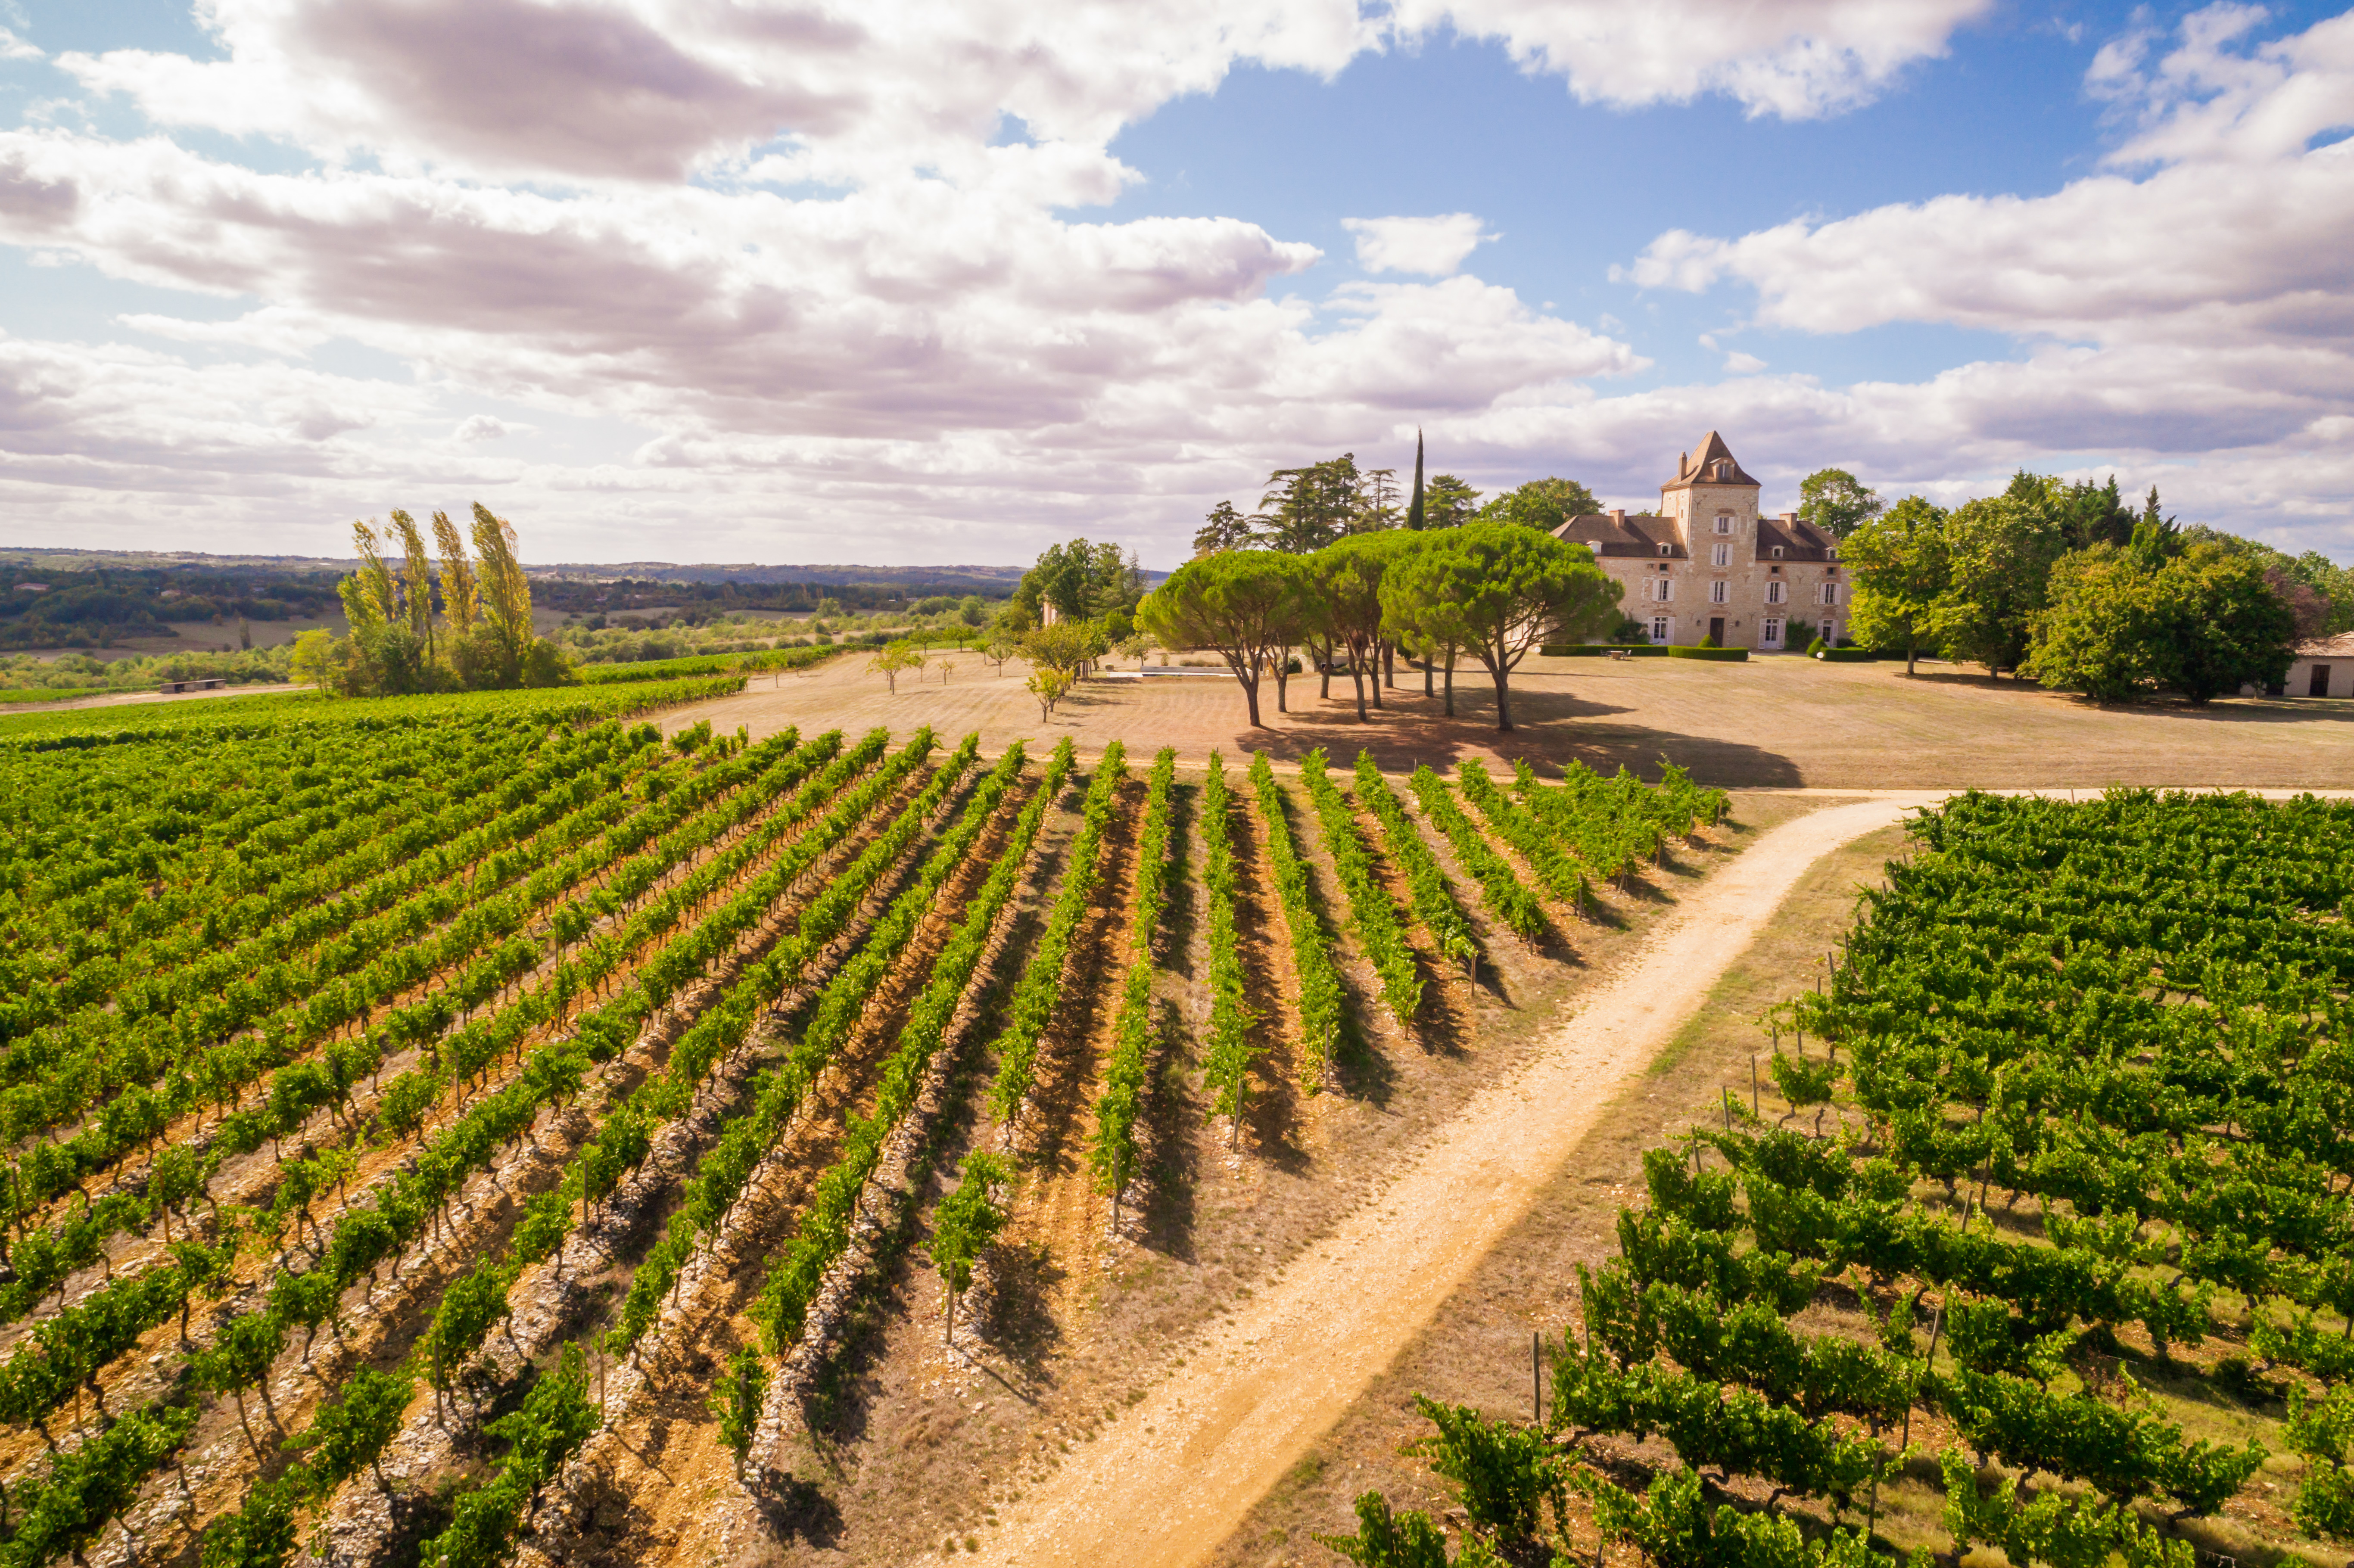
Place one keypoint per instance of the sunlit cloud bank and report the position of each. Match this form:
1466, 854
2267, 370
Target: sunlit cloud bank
807, 284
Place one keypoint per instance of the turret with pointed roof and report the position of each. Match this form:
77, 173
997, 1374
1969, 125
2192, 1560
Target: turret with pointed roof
1712, 464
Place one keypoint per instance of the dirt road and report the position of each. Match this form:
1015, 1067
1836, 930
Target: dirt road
1173, 1477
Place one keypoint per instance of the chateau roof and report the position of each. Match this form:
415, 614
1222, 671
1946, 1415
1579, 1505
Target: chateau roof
1799, 540
1611, 533
1714, 463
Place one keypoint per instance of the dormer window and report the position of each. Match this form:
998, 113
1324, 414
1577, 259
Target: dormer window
1664, 549
1778, 552
1831, 554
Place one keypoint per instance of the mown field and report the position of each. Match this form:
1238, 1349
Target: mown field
435, 1126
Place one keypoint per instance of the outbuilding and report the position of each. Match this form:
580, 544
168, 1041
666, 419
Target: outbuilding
2324, 668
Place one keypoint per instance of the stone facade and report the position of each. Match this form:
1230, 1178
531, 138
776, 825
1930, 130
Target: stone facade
1709, 563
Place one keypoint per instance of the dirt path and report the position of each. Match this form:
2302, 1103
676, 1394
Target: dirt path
1175, 1476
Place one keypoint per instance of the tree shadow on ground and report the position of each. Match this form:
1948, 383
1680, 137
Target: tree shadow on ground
1550, 725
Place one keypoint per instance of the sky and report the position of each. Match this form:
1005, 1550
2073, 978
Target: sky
937, 281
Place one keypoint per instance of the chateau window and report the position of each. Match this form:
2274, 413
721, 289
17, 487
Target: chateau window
1667, 586
1830, 593
1724, 522
1778, 552
1665, 548
1774, 592
1717, 593
1772, 636
1659, 628
1723, 556
1831, 554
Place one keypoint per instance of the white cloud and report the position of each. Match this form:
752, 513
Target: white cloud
1434, 247
2205, 309
1797, 58
603, 209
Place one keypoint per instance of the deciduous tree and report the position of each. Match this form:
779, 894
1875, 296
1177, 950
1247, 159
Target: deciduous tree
1836, 502
1899, 563
1544, 503
1999, 554
893, 657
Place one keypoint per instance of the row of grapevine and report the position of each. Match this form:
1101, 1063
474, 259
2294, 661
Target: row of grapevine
1321, 1013
825, 1230
298, 1090
1373, 914
366, 1237
1113, 1154
2091, 1112
66, 955
525, 998
477, 1302
196, 1068
1555, 870
1231, 1045
1041, 987
1434, 900
1507, 899
745, 1141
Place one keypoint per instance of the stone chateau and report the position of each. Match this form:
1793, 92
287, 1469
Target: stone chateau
1709, 565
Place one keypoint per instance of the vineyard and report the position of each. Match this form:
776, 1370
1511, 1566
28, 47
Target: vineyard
412, 1104
2031, 1234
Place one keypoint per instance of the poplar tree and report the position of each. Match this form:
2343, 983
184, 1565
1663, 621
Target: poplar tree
505, 591
368, 595
416, 580
461, 600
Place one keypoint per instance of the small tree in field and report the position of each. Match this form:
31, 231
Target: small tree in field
999, 647
969, 1220
1049, 686
894, 657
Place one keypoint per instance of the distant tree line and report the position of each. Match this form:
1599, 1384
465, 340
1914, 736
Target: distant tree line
99, 607
2068, 585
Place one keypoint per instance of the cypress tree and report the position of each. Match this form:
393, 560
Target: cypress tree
1413, 507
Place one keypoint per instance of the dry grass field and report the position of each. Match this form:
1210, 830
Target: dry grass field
1779, 723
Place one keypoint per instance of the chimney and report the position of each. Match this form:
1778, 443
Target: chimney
1618, 517
1790, 518
1683, 464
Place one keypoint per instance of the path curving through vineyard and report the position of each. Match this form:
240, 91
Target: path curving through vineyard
1165, 1484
